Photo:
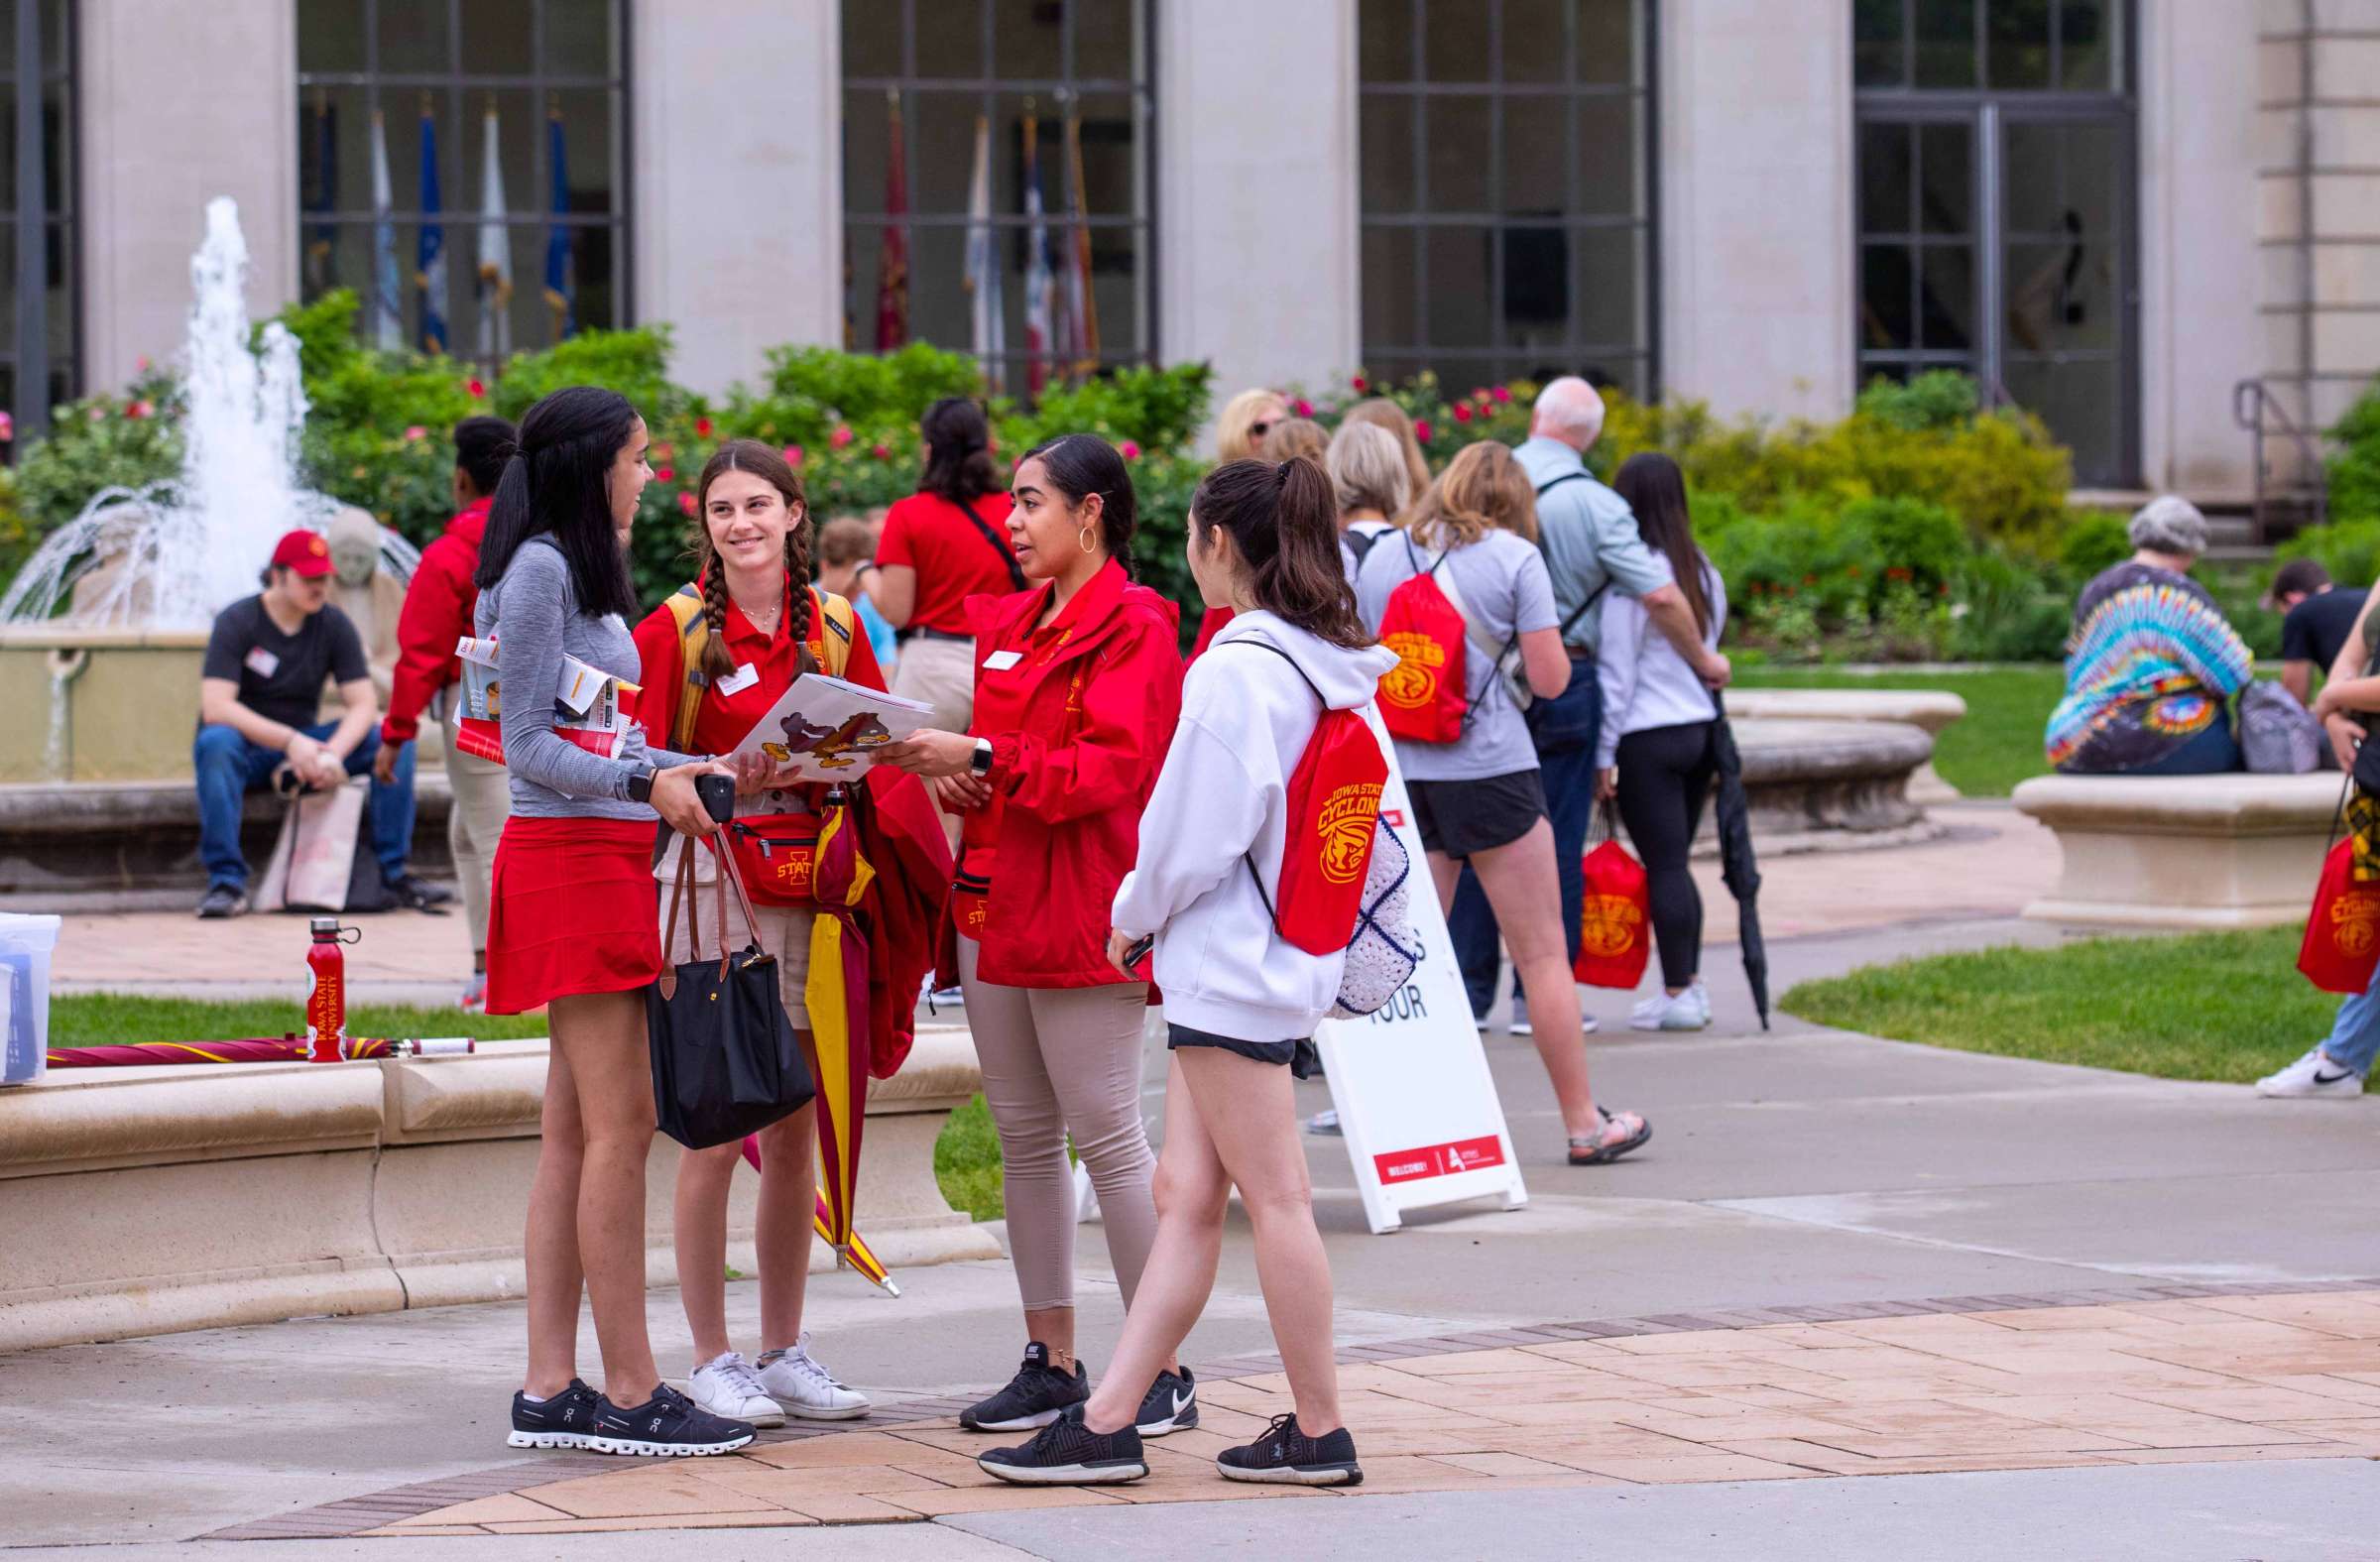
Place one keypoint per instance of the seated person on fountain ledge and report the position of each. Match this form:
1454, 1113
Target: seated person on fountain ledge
258, 693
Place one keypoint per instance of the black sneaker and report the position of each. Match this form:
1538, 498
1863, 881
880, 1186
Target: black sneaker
1068, 1453
567, 1421
668, 1426
419, 895
1033, 1398
1286, 1456
222, 899
1170, 1405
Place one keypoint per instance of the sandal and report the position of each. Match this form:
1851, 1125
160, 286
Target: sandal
1599, 1150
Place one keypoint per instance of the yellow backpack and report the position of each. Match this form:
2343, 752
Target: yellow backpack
832, 621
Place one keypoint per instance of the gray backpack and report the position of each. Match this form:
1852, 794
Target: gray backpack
2279, 736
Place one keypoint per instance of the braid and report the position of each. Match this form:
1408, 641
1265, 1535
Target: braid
717, 662
798, 588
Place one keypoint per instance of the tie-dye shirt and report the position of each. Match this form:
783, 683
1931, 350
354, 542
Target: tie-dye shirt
2148, 667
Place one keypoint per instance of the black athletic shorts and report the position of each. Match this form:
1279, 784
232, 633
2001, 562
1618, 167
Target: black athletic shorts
1459, 818
1304, 1063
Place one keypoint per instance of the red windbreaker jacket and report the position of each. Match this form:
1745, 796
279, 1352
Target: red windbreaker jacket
438, 613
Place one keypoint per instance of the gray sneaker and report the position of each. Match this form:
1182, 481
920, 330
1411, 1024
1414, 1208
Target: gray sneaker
222, 899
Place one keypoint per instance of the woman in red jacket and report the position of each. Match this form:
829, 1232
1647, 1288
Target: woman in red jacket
1077, 685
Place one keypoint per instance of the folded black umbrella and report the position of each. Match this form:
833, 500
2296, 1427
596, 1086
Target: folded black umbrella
1737, 865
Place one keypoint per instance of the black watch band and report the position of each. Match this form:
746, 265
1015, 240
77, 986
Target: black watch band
979, 763
640, 784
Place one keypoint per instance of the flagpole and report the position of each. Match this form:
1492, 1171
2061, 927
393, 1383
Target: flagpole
1087, 321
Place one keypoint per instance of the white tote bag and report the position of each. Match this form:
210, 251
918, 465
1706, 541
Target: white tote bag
315, 857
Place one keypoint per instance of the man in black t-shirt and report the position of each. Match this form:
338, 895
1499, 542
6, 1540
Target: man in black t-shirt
259, 691
2319, 620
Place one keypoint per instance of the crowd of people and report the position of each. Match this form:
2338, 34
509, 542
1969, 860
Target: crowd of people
1086, 820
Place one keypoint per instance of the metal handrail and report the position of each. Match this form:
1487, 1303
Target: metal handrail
2251, 401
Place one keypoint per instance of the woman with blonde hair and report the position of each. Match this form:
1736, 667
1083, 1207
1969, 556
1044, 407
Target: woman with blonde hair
1372, 487
1478, 797
1244, 422
1292, 437
1382, 412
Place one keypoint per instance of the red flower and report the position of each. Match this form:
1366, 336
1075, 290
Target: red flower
1304, 408
415, 433
1359, 385
1852, 571
139, 409
1130, 450
702, 428
1461, 411
665, 474
475, 385
792, 455
1421, 429
1499, 394
842, 436
8, 429
685, 500
882, 453
664, 450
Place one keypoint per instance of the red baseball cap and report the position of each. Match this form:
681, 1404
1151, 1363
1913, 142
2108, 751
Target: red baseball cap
306, 552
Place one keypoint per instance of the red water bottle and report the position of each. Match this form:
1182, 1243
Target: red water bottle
327, 1008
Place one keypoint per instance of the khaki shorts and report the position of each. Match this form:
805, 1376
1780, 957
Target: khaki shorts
940, 673
785, 932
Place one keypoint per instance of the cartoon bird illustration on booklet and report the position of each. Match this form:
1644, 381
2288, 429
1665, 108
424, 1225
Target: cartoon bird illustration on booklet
831, 746
824, 727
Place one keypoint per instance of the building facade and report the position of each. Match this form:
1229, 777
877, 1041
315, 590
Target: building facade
2111, 211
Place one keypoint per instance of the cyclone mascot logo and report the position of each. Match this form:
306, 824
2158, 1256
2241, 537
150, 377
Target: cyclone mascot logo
1413, 681
2356, 921
1346, 822
1609, 925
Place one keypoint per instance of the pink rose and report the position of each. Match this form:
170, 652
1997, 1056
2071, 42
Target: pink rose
1501, 392
8, 429
139, 409
1421, 429
415, 432
1304, 408
702, 428
842, 436
476, 387
1359, 385
99, 412
1130, 450
139, 365
664, 474
882, 453
792, 455
1461, 411
685, 500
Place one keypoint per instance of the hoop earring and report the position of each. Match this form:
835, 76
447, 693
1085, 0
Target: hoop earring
1084, 539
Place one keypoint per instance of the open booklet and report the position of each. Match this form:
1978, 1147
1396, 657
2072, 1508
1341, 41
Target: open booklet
590, 706
822, 728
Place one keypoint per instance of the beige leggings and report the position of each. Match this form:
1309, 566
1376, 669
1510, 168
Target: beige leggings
483, 801
1060, 1062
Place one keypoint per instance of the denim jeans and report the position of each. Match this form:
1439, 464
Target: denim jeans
2355, 1034
1566, 728
229, 766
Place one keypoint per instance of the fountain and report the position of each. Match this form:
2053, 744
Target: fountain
102, 632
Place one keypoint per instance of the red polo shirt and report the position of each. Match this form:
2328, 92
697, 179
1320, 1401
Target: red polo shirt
953, 558
723, 719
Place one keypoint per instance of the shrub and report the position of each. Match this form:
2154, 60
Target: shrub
2091, 541
2354, 471
99, 443
1938, 401
2348, 550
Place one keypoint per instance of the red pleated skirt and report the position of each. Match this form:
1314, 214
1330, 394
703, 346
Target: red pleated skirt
570, 909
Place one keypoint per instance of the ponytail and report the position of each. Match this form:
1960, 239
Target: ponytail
1283, 520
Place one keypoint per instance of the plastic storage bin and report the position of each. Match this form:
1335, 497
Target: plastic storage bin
25, 945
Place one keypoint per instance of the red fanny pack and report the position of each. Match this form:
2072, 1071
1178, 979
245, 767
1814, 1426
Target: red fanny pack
778, 856
1424, 696
1334, 810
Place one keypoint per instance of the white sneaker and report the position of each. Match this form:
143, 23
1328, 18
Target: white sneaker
1681, 1013
1701, 997
805, 1389
1519, 1024
2313, 1077
727, 1386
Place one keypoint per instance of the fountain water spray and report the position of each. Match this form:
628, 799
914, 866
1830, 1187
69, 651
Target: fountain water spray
173, 554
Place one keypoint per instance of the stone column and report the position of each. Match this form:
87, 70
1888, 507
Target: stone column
1756, 168
1257, 259
738, 158
177, 103
2200, 264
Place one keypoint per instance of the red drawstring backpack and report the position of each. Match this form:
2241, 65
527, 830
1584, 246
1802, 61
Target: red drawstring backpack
1424, 696
1334, 798
1615, 917
2342, 931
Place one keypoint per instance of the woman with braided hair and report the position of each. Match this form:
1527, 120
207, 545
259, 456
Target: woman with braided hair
717, 657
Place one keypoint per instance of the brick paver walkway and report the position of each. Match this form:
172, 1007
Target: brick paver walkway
2120, 1378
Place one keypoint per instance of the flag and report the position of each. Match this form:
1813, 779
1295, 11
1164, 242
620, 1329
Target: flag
495, 252
892, 258
322, 195
429, 251
1082, 310
982, 263
1038, 286
388, 309
557, 232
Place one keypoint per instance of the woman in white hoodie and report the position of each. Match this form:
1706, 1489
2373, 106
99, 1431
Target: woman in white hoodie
1241, 1002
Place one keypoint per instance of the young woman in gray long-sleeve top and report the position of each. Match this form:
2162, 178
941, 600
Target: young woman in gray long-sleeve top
572, 924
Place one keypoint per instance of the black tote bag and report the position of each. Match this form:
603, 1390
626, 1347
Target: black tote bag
725, 1059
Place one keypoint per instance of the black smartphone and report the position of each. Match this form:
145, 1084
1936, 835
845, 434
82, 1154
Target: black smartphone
718, 794
1135, 957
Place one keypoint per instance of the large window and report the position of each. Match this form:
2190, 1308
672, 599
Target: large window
961, 118
1997, 206
37, 270
400, 103
1508, 198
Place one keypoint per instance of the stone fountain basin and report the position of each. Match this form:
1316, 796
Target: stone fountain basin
98, 704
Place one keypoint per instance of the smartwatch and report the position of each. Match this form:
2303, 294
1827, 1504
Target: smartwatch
640, 784
979, 762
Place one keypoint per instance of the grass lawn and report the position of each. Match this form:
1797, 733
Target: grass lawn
102, 1019
2228, 1007
966, 1157
1987, 752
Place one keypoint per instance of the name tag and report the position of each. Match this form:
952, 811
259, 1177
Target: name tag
1001, 661
263, 663
739, 681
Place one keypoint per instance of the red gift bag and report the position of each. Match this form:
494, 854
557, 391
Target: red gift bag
1616, 928
2342, 931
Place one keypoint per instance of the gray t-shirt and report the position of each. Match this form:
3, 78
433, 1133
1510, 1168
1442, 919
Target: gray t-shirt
1502, 580
534, 614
